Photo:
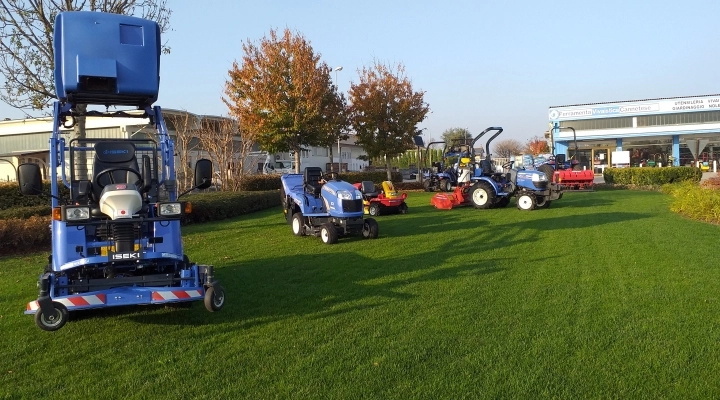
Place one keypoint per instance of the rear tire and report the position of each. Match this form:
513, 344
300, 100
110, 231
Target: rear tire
445, 185
548, 171
403, 208
426, 185
526, 202
482, 195
328, 233
298, 225
577, 167
374, 209
370, 229
542, 202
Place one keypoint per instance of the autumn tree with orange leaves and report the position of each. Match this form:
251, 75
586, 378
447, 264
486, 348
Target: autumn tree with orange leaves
386, 111
537, 145
283, 96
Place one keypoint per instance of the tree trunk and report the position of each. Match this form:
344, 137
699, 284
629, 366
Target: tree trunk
297, 160
387, 168
332, 163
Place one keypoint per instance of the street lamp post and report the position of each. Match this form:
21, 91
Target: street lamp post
339, 156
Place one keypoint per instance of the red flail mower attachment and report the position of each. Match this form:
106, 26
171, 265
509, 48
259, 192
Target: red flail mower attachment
579, 181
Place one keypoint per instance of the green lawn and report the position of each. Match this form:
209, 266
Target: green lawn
604, 295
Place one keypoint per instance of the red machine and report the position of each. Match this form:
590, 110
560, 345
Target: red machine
459, 197
574, 180
386, 201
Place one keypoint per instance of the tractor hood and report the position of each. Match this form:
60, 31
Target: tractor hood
341, 190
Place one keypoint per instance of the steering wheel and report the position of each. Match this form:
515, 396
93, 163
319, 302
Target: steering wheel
112, 177
508, 165
330, 176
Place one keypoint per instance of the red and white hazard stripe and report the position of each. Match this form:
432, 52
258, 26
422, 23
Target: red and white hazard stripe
74, 301
165, 295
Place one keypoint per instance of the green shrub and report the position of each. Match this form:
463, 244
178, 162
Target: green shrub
651, 176
696, 202
26, 212
220, 205
19, 235
10, 196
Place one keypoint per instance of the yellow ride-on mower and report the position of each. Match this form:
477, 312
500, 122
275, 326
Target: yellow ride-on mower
386, 202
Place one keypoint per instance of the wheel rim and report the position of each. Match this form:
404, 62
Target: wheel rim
51, 320
218, 299
480, 197
525, 202
324, 235
296, 226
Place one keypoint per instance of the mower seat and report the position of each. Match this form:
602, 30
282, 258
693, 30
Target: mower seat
311, 180
110, 155
368, 189
486, 167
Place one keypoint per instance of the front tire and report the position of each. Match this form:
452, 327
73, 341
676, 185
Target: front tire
298, 225
426, 185
214, 298
482, 195
503, 202
328, 233
542, 202
370, 229
55, 320
526, 202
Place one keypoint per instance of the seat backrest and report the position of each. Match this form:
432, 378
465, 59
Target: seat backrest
368, 188
311, 180
560, 159
486, 167
110, 155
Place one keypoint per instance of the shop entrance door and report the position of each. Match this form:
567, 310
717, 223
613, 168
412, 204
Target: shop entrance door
601, 160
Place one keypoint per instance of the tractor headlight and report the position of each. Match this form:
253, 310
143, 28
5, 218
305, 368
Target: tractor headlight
539, 177
169, 209
344, 195
77, 213
358, 195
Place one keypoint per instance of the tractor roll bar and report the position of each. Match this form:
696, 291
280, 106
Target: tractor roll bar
552, 139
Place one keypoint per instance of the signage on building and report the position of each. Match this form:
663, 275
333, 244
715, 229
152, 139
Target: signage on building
688, 104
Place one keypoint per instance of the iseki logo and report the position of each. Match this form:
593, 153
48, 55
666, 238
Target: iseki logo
126, 256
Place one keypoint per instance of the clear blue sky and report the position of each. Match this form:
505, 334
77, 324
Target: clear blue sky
481, 63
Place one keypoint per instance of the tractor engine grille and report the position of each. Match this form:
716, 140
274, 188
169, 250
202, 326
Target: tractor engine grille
122, 234
351, 205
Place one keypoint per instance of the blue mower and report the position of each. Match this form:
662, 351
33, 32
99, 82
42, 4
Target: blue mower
116, 241
318, 204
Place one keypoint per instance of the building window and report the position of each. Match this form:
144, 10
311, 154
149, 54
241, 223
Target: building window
679, 118
320, 151
603, 123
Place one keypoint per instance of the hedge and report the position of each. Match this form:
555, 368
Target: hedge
27, 228
272, 182
10, 196
651, 176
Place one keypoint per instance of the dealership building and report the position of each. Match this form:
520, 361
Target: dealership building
673, 130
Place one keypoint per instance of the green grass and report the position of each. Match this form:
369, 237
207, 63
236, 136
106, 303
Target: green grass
604, 295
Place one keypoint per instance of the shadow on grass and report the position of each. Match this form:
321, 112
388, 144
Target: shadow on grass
274, 289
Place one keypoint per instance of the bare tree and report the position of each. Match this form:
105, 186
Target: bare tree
507, 148
220, 139
27, 57
185, 125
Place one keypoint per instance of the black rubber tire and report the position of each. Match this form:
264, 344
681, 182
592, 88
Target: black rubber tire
374, 209
52, 322
370, 229
214, 298
482, 195
445, 185
328, 233
298, 224
548, 171
403, 208
426, 185
542, 202
577, 167
525, 202
503, 202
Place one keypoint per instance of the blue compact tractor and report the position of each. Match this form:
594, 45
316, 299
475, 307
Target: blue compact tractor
116, 240
319, 204
480, 185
